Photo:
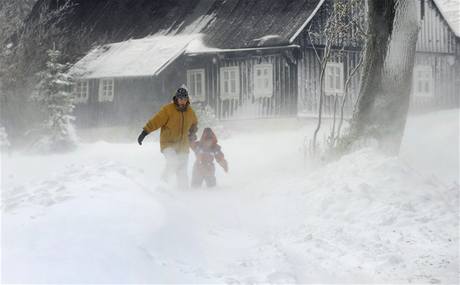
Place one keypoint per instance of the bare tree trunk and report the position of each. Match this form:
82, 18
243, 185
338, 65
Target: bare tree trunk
387, 74
320, 106
346, 95
332, 137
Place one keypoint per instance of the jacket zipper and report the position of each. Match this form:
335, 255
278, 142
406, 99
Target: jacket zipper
182, 128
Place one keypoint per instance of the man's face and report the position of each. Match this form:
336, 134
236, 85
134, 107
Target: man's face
182, 102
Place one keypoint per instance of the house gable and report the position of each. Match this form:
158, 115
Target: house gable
435, 34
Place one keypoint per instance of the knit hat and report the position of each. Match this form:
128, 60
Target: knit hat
181, 93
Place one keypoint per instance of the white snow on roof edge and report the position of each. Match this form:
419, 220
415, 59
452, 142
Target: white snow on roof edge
450, 11
133, 58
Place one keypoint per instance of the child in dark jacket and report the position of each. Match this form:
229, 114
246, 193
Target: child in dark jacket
206, 150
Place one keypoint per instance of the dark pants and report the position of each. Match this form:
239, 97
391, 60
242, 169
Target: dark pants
203, 172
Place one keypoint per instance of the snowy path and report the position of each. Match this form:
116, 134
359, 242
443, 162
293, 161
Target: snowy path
99, 215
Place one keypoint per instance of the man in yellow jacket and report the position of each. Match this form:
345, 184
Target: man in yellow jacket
178, 124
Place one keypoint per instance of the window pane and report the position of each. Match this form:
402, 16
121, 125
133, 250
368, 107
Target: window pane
193, 87
233, 86
84, 89
337, 82
225, 75
198, 84
192, 80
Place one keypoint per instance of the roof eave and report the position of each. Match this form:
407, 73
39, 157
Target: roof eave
456, 32
216, 51
297, 33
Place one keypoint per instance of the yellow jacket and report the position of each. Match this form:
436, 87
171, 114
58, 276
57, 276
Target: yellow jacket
175, 127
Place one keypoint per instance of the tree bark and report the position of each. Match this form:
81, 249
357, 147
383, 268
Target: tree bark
387, 74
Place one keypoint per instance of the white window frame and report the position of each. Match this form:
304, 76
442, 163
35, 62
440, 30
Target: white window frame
226, 92
106, 89
333, 81
423, 81
193, 86
263, 82
81, 91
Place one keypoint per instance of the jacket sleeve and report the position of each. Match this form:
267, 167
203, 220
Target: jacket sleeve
220, 158
157, 121
193, 128
192, 133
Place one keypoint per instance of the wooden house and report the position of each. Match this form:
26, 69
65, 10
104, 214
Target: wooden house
247, 59
436, 81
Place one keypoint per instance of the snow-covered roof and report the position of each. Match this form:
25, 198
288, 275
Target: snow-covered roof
450, 10
211, 26
140, 57
244, 24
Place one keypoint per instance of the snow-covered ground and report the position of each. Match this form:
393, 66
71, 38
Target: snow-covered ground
100, 214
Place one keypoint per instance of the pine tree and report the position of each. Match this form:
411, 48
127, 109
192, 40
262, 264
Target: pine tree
55, 97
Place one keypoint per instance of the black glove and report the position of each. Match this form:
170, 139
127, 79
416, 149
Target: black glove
192, 137
192, 133
141, 137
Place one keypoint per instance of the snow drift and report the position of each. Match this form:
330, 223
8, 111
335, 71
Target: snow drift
100, 214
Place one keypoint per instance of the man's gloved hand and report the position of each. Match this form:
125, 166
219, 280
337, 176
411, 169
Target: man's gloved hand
141, 137
192, 137
192, 133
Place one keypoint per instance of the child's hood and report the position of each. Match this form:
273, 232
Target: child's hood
208, 134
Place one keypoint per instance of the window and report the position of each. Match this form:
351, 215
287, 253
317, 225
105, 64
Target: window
81, 91
106, 90
423, 81
196, 85
333, 80
229, 83
263, 80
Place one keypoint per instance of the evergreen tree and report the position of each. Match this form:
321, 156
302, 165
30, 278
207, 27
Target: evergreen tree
54, 96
